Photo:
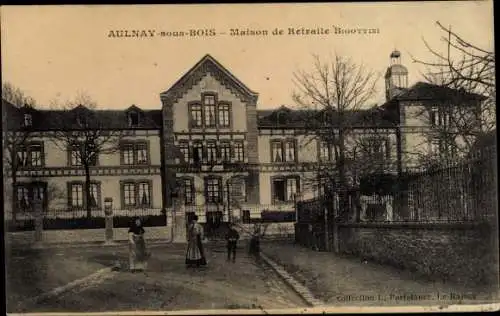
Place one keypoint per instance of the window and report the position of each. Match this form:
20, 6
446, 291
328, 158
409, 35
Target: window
196, 115
440, 117
237, 190
282, 151
128, 154
28, 120
142, 154
197, 152
136, 193
134, 153
144, 194
209, 100
81, 120
442, 147
78, 154
291, 189
94, 195
76, 196
377, 148
225, 151
129, 194
209, 103
285, 189
36, 155
133, 119
22, 156
75, 156
30, 155
184, 149
212, 189
211, 151
239, 154
224, 114
27, 192
434, 117
276, 151
210, 115
188, 191
325, 152
23, 197
289, 151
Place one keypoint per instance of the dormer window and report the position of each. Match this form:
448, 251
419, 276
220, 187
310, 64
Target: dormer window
80, 120
133, 119
28, 120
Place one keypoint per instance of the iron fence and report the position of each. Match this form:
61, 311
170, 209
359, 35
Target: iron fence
244, 214
54, 219
458, 193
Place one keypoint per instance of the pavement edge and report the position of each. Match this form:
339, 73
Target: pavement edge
303, 292
69, 286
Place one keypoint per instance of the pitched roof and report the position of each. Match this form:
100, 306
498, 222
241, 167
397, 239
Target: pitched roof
208, 64
285, 117
429, 91
49, 120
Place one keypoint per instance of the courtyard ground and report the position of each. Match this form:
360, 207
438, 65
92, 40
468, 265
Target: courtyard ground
342, 280
167, 284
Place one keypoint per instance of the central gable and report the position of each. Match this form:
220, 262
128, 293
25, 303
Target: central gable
209, 66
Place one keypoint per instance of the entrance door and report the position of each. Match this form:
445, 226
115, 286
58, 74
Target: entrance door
214, 223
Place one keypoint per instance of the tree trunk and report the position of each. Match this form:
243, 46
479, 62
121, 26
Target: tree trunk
14, 195
88, 207
343, 198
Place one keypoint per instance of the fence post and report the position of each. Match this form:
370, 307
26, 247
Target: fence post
108, 213
38, 210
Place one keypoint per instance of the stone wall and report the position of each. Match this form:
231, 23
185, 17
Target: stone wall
467, 253
84, 235
158, 233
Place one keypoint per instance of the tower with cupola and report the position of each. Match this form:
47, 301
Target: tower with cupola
396, 76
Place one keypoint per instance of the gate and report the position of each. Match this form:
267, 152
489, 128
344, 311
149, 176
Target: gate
311, 223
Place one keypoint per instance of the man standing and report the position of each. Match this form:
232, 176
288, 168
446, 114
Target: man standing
232, 237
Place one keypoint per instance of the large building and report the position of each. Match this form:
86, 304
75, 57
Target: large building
209, 147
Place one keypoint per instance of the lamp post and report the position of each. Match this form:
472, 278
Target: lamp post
108, 213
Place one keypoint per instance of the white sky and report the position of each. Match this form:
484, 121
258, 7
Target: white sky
59, 51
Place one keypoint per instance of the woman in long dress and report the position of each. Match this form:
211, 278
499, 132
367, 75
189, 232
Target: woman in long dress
195, 255
137, 247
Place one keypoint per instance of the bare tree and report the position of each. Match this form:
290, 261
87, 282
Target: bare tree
86, 135
330, 96
16, 96
470, 109
17, 133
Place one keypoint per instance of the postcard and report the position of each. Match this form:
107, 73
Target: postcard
249, 158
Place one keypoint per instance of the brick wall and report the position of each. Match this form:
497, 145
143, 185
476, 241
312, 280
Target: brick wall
466, 253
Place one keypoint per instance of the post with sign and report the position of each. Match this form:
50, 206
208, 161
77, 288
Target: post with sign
108, 213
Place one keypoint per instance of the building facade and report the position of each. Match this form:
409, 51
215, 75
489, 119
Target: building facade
209, 149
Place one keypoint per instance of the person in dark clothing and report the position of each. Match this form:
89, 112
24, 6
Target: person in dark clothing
138, 254
232, 237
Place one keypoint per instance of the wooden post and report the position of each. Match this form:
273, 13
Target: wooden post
108, 214
327, 235
38, 211
179, 221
